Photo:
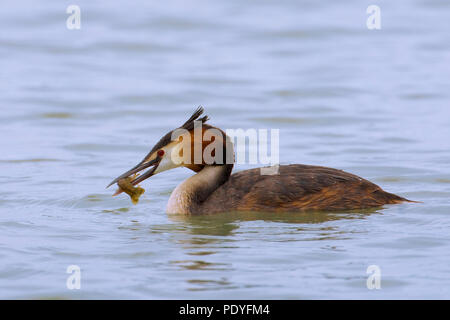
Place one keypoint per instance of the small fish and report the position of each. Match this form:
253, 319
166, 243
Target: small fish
126, 186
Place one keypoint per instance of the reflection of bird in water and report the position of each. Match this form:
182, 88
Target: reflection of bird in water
214, 189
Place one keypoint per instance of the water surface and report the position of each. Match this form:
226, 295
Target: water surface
80, 107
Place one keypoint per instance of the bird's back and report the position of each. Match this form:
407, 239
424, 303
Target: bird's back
296, 188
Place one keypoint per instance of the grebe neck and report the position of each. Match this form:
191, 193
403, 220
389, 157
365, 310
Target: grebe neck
189, 195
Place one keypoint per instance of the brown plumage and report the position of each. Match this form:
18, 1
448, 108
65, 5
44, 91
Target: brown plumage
213, 189
297, 188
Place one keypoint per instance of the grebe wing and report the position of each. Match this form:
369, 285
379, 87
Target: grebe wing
296, 188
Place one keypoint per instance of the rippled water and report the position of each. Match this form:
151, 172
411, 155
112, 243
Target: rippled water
79, 107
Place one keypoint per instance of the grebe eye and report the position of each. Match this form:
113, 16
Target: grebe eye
160, 153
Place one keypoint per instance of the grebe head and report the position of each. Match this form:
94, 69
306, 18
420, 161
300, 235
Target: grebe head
194, 145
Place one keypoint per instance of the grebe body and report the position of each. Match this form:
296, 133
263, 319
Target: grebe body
296, 188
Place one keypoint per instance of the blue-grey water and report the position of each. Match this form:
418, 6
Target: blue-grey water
79, 107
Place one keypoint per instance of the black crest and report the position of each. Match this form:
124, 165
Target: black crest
189, 124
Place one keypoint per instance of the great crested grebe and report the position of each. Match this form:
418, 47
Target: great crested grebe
214, 189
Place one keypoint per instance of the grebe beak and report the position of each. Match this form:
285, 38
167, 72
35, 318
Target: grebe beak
141, 166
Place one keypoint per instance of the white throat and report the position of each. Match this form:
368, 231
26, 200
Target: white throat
186, 196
